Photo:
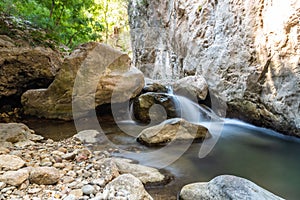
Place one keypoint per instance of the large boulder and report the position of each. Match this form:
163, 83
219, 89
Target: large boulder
173, 129
100, 75
248, 52
226, 187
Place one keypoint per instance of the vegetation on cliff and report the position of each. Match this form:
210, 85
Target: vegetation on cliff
71, 22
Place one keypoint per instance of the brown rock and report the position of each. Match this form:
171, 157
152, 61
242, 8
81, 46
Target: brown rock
173, 129
105, 69
44, 175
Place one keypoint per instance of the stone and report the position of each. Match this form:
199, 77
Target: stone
172, 129
23, 68
44, 175
34, 190
155, 107
148, 175
250, 63
91, 65
126, 186
11, 162
77, 193
192, 87
14, 132
70, 197
87, 136
14, 178
107, 169
2, 185
88, 189
226, 187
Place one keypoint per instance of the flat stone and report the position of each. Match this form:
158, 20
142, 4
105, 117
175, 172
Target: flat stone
172, 129
148, 175
15, 178
11, 162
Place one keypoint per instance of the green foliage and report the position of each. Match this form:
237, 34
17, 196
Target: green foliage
71, 22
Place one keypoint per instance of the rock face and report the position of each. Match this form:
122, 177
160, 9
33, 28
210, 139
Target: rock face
248, 52
226, 187
23, 68
97, 72
173, 129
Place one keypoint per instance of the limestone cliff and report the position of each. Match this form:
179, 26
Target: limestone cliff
248, 51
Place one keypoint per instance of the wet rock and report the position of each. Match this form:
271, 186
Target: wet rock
226, 187
44, 175
154, 86
125, 186
15, 178
11, 162
147, 175
155, 107
105, 69
172, 129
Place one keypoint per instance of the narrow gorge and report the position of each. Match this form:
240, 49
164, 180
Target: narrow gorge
205, 104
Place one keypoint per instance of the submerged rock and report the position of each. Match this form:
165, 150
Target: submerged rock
94, 74
173, 129
126, 186
226, 187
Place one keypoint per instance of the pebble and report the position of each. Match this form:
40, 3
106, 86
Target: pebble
88, 189
2, 185
34, 190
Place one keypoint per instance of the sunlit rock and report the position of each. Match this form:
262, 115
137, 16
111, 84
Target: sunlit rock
94, 74
173, 129
125, 186
247, 51
226, 187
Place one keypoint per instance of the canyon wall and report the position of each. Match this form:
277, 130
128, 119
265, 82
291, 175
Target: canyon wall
247, 50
